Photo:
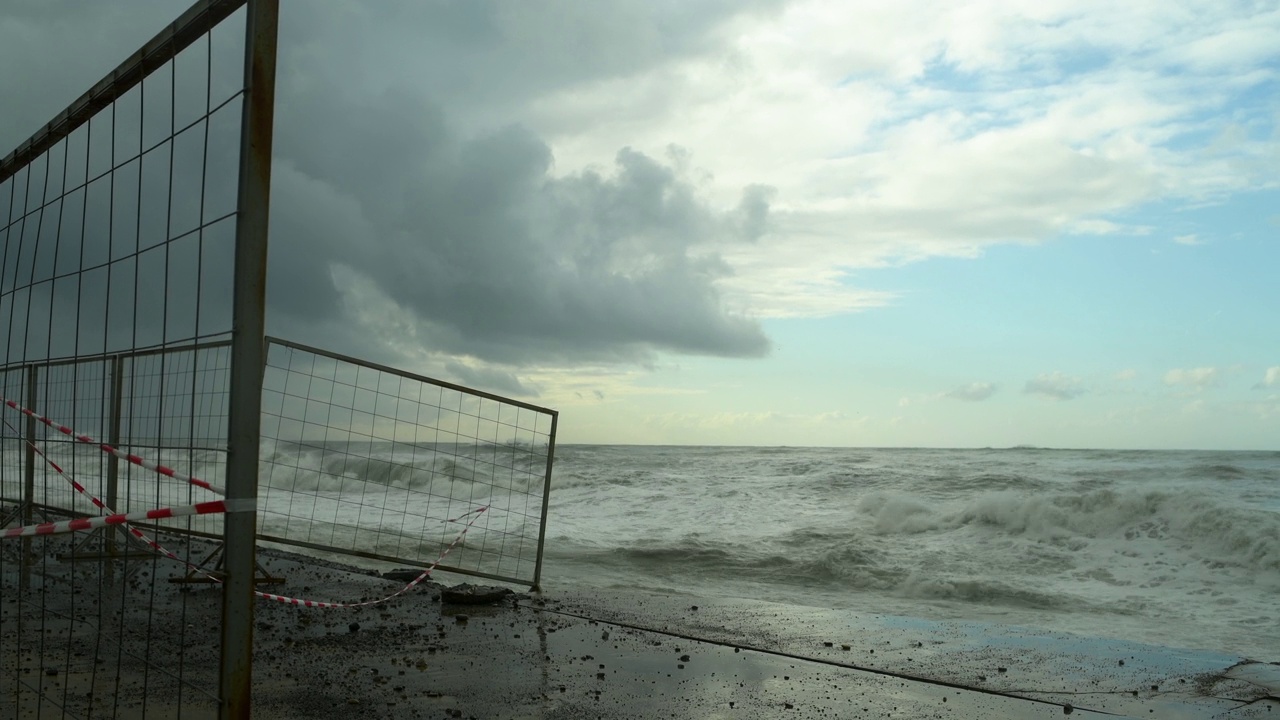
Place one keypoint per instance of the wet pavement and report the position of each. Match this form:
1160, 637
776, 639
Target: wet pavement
637, 655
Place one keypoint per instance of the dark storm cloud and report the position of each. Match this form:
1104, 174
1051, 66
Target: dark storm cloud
408, 167
492, 255
489, 379
497, 53
54, 50
402, 168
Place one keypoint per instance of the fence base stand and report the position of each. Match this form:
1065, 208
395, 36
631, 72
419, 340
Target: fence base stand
261, 577
108, 550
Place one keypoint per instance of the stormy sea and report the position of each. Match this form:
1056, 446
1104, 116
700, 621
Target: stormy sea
1175, 548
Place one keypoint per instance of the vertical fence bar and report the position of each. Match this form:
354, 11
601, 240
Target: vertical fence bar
113, 463
29, 477
29, 451
247, 356
546, 503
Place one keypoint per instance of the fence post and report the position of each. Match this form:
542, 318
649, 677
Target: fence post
244, 418
29, 477
546, 503
113, 462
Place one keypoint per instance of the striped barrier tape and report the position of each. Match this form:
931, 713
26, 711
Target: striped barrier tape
134, 459
79, 488
93, 523
412, 583
230, 505
216, 506
142, 537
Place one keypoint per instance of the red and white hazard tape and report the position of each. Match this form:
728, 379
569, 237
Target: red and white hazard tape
217, 506
142, 537
136, 460
93, 523
412, 583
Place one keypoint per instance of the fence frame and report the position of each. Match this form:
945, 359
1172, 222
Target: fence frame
248, 340
113, 390
546, 487
248, 357
248, 311
120, 369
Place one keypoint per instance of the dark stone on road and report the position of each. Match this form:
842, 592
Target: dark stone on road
467, 594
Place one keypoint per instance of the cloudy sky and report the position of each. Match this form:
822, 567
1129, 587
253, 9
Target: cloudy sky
779, 222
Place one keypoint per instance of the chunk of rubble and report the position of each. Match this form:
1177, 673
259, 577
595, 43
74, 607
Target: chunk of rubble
468, 594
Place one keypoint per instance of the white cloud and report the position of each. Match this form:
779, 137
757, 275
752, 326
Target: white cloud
1272, 377
1188, 240
973, 392
1055, 385
1194, 377
1126, 375
896, 132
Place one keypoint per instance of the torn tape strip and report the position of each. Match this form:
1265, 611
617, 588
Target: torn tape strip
136, 460
92, 523
412, 583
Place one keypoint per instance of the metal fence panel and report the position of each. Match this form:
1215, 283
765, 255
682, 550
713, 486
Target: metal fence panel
118, 225
127, 226
366, 460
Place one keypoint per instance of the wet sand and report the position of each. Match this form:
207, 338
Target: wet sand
626, 655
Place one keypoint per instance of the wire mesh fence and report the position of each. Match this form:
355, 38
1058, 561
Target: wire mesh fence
371, 461
118, 237
90, 627
124, 225
170, 405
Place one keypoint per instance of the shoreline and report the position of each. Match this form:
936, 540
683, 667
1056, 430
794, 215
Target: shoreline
632, 654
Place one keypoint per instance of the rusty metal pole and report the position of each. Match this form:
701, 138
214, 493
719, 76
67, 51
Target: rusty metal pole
247, 359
